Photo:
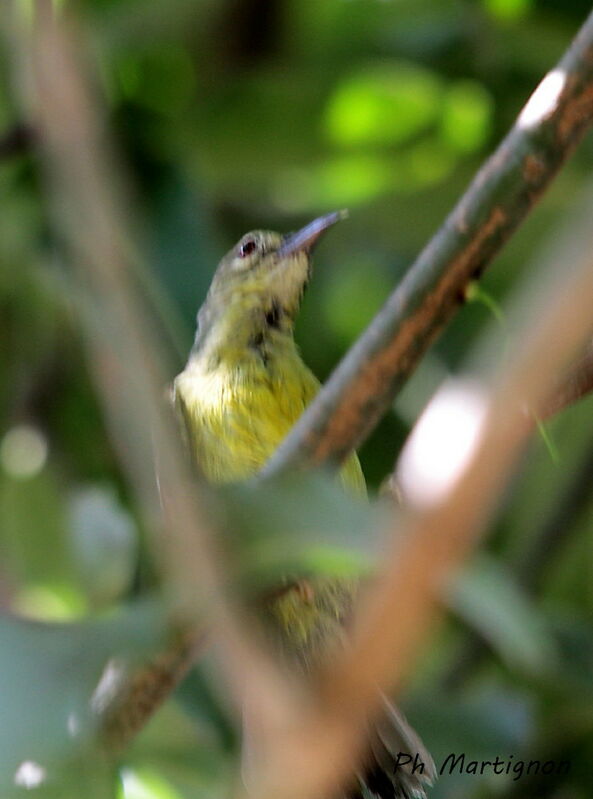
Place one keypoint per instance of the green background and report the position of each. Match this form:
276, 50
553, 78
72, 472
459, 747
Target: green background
230, 116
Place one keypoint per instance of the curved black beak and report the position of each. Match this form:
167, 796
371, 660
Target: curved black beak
305, 238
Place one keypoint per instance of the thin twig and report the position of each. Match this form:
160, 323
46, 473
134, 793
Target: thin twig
511, 181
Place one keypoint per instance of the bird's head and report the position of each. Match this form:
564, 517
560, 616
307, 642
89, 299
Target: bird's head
257, 288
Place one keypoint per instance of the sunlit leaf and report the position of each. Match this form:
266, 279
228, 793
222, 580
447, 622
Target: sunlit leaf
349, 180
467, 116
145, 784
50, 601
508, 10
383, 105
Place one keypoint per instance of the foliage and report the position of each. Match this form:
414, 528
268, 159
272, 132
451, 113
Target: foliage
235, 115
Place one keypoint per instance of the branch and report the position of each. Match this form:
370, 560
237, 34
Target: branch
492, 418
576, 384
145, 689
125, 357
506, 188
151, 684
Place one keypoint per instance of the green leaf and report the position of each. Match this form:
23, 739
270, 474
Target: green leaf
486, 597
299, 524
384, 105
467, 116
54, 679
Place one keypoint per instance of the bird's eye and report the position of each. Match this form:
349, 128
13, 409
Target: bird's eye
247, 248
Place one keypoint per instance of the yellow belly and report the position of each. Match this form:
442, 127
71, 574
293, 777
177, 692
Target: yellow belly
236, 417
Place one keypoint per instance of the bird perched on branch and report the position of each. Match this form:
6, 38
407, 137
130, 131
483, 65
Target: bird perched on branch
244, 386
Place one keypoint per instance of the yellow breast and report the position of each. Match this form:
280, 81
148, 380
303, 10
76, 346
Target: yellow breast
235, 416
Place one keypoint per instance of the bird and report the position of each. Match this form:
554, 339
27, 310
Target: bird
244, 386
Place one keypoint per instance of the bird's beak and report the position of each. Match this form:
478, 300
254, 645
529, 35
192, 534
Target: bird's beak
305, 238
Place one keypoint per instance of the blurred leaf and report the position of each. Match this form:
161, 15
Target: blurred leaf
160, 78
508, 10
467, 116
485, 722
301, 523
50, 602
348, 180
54, 678
485, 596
574, 633
32, 529
488, 723
104, 544
424, 164
383, 105
145, 784
183, 745
87, 771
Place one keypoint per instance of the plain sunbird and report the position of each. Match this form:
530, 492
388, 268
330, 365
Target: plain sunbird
244, 386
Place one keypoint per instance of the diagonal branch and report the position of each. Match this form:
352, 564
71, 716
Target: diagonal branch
506, 188
492, 419
575, 384
126, 359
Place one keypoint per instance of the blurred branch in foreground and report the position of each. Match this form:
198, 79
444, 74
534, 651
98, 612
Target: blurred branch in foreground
511, 181
170, 669
89, 214
484, 426
576, 384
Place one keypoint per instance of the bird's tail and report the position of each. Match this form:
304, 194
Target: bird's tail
398, 765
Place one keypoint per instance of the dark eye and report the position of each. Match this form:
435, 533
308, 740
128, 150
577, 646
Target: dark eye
247, 248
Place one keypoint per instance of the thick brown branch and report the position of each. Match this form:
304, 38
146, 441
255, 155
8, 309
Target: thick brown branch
362, 387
